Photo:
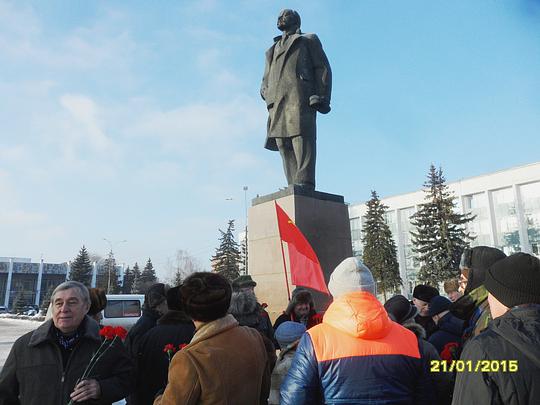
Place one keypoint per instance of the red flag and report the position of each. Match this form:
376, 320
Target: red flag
305, 268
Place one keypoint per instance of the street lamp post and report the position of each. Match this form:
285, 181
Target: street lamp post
111, 255
246, 231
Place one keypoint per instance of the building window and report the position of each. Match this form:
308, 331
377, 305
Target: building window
411, 264
390, 217
3, 282
479, 227
506, 220
356, 235
530, 198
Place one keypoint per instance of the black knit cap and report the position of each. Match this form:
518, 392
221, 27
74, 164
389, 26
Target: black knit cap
425, 292
206, 296
515, 280
439, 304
174, 299
400, 309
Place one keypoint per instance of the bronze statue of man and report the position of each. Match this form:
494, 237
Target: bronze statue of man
297, 83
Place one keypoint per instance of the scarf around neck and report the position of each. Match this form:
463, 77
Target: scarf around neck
68, 340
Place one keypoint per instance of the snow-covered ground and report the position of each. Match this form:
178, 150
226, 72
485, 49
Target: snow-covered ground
10, 330
37, 317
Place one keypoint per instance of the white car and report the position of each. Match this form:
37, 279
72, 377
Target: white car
122, 310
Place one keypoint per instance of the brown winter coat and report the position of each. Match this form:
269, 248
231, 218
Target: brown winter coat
224, 364
34, 372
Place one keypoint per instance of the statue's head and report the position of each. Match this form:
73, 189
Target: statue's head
288, 19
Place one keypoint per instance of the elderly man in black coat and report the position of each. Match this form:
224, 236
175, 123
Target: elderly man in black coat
297, 83
44, 366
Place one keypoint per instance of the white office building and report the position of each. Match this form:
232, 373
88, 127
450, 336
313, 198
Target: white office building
506, 204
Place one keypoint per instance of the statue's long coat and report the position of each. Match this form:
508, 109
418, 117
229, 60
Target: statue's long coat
299, 71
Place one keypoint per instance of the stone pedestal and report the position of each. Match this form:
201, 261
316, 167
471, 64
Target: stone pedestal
323, 219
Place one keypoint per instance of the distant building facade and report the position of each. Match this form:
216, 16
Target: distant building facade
33, 281
506, 204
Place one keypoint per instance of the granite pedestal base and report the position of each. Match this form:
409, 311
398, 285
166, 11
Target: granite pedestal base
323, 219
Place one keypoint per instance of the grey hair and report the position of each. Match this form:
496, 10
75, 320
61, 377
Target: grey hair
83, 290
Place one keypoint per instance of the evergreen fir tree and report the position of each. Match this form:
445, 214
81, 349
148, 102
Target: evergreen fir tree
127, 284
46, 300
81, 268
440, 235
136, 288
227, 258
148, 275
19, 303
379, 253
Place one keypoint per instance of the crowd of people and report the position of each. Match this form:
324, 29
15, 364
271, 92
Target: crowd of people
210, 341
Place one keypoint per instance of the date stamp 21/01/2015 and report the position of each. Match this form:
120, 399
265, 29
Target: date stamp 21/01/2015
476, 366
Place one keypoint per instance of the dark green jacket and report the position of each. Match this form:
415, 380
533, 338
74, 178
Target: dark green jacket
473, 308
34, 375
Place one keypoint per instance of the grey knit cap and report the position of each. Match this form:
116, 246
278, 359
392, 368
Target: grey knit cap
351, 275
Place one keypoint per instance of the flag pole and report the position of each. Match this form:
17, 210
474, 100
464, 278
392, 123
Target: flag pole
283, 257
285, 269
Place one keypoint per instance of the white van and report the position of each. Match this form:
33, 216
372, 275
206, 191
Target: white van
123, 310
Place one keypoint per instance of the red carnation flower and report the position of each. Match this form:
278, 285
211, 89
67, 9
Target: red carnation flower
107, 332
448, 353
169, 347
180, 347
120, 332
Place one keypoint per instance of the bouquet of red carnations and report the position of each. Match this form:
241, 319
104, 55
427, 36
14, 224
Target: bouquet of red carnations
170, 349
110, 335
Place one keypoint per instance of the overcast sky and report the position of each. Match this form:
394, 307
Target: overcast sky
142, 120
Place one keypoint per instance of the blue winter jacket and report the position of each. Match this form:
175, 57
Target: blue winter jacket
450, 330
357, 355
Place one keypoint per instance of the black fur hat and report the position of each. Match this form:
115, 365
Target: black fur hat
206, 296
98, 300
300, 295
155, 295
174, 299
424, 292
478, 260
